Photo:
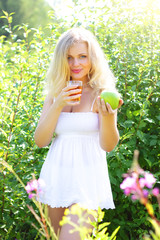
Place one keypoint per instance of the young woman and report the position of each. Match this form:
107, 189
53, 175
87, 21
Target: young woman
75, 170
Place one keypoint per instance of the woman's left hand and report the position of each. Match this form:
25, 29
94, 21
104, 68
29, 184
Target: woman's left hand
105, 108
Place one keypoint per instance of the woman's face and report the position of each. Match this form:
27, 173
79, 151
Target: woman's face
79, 63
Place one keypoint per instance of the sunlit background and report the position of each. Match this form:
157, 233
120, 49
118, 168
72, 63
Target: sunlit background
128, 32
65, 8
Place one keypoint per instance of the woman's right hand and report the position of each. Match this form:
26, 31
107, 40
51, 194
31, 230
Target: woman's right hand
68, 96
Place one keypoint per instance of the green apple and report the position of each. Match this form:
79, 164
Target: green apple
112, 98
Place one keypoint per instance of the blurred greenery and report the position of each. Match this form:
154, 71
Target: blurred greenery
129, 36
30, 12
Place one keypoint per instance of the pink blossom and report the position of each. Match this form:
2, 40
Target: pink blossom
142, 182
134, 197
129, 183
139, 184
28, 188
127, 191
145, 193
34, 185
156, 192
134, 186
149, 180
31, 195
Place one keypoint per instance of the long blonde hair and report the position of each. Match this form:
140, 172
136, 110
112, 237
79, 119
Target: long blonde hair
100, 75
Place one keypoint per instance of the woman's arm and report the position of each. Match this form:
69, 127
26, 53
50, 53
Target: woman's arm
50, 114
109, 134
47, 122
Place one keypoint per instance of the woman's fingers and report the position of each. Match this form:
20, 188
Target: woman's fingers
99, 102
110, 110
105, 108
120, 103
71, 88
71, 95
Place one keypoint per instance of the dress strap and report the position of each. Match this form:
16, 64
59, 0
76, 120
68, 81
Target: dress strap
93, 103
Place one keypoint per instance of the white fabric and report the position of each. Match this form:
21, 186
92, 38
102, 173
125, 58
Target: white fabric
75, 170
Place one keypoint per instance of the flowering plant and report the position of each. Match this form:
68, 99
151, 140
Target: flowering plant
35, 187
98, 229
139, 184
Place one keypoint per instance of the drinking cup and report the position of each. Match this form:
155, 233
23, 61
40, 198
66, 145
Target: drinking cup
79, 86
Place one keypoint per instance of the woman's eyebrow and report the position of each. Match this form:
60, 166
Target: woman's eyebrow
79, 54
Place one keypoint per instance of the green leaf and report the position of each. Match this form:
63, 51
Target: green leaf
3, 132
102, 225
114, 233
5, 13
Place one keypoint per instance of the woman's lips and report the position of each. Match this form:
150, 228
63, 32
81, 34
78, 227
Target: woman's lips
76, 70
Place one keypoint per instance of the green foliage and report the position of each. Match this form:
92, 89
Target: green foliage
100, 229
155, 235
30, 12
129, 38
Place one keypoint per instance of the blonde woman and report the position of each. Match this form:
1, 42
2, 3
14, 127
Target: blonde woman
75, 170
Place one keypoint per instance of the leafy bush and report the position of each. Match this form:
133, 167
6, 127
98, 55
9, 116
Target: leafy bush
129, 38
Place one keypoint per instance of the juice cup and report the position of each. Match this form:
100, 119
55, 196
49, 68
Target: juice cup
79, 86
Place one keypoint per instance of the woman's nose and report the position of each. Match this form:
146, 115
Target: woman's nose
75, 62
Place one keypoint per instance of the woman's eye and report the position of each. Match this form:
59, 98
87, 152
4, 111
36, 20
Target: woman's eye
83, 56
69, 58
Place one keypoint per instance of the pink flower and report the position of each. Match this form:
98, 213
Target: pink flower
34, 185
134, 197
156, 192
128, 183
127, 191
142, 182
139, 184
135, 186
145, 193
149, 180
31, 195
28, 188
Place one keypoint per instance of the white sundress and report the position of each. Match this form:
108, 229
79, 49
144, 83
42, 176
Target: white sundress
75, 169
